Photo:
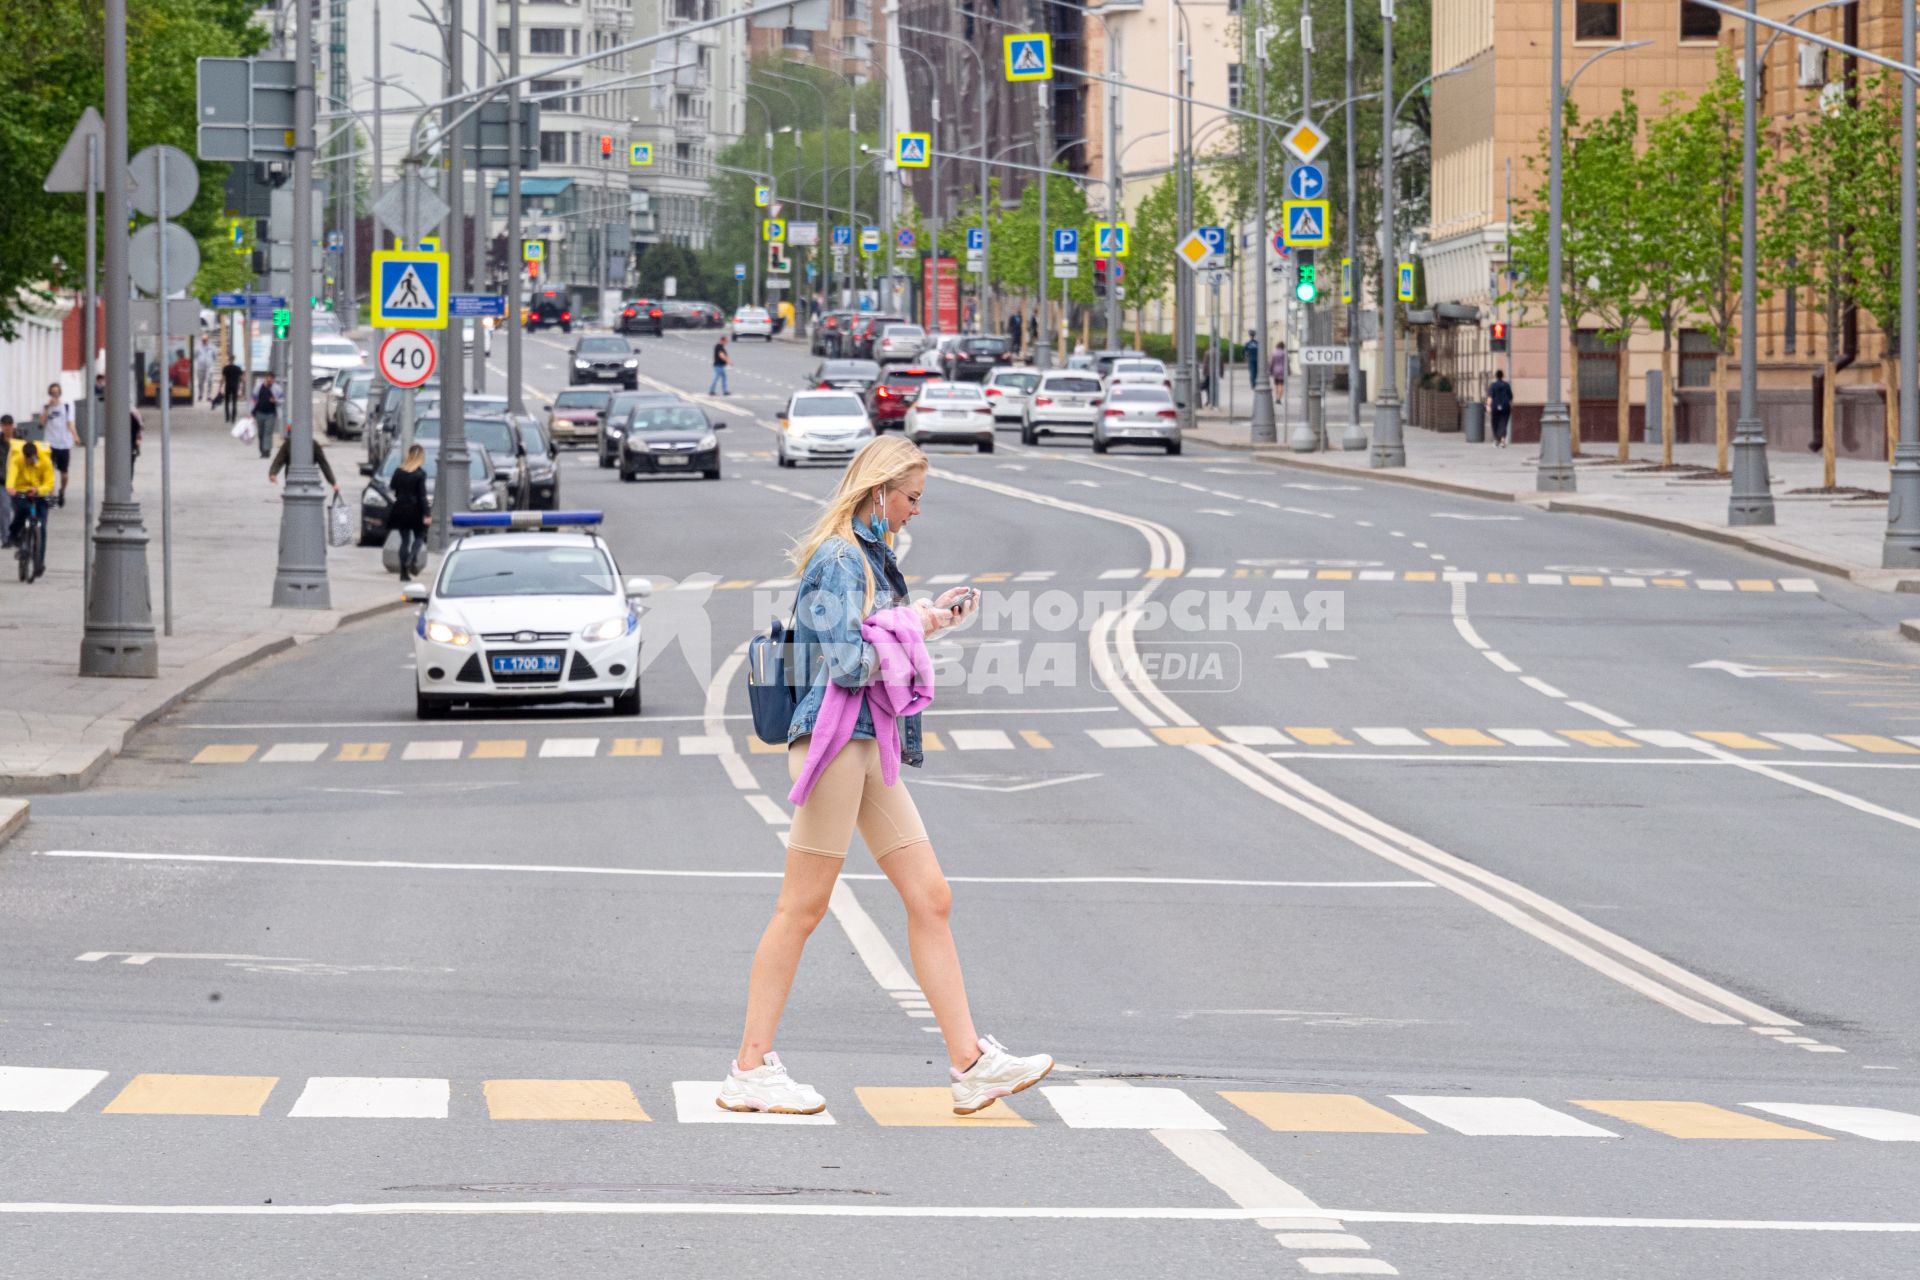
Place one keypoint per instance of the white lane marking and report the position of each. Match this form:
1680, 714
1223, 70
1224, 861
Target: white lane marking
1348, 1267
1378, 575
1529, 738
1206, 573
1501, 661
1808, 785
1627, 582
1320, 1240
1127, 1108
569, 748
980, 739
293, 753
707, 745
694, 1103
45, 1088
1807, 742
1500, 1117
1665, 739
1799, 584
769, 810
373, 1098
1120, 737
446, 749
1255, 735
1538, 685
1604, 717
872, 945
1393, 737
1116, 574
1244, 1180
1874, 1123
1460, 621
1546, 580
1712, 584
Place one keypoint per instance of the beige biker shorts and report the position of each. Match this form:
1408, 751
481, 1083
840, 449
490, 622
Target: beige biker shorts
851, 792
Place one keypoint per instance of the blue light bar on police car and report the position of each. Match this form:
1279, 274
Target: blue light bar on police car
526, 519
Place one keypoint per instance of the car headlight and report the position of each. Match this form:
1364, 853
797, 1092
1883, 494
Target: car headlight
606, 629
441, 631
580, 364
636, 443
614, 432
485, 502
374, 498
708, 441
633, 364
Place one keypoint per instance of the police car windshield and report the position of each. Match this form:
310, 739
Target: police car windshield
482, 570
668, 418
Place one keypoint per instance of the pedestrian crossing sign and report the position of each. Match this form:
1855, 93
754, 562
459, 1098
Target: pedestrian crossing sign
640, 153
913, 150
773, 230
1406, 282
1304, 223
1029, 57
533, 250
762, 197
1110, 239
1346, 280
409, 290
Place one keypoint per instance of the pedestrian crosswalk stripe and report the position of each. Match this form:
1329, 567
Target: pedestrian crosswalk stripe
924, 1108
1485, 1117
1034, 739
705, 746
1597, 738
1392, 737
445, 749
1807, 742
1348, 1267
930, 741
1318, 737
1754, 584
1875, 1123
1335, 575
635, 747
1254, 735
1528, 738
52, 1089
1134, 1108
1464, 738
562, 1100
362, 752
293, 753
1186, 736
1877, 744
709, 582
1119, 573
569, 748
694, 1102
225, 753
1318, 1113
1738, 741
500, 749
1698, 1120
171, 1095
1421, 575
980, 740
1120, 737
373, 1098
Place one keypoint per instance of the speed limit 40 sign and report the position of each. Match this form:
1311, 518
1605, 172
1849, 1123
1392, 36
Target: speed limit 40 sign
406, 358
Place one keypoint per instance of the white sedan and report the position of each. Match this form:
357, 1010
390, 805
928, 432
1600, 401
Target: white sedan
822, 426
753, 322
1139, 371
333, 357
536, 616
954, 412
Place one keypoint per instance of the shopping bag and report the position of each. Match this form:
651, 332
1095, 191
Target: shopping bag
243, 430
339, 523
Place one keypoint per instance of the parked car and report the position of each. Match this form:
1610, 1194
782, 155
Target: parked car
484, 491
502, 443
1133, 413
574, 417
641, 315
857, 376
706, 315
469, 330
595, 359
752, 322
821, 426
332, 357
1065, 401
614, 417
549, 311
971, 357
347, 403
827, 334
543, 467
1007, 391
667, 438
952, 413
894, 394
899, 342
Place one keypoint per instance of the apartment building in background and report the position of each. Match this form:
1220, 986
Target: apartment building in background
842, 48
691, 105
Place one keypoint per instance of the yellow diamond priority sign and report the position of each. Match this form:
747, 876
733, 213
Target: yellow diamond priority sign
1194, 249
1305, 140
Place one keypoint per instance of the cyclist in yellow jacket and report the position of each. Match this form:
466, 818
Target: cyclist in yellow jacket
30, 482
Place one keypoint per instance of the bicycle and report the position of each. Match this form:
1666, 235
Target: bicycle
33, 535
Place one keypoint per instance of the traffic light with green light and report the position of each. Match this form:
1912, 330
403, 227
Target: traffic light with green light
282, 323
1306, 285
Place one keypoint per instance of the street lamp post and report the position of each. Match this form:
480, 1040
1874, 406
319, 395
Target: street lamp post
451, 495
1751, 502
1264, 430
1901, 549
516, 269
1307, 434
1389, 446
1355, 437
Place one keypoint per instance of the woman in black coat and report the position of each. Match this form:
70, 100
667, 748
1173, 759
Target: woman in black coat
408, 515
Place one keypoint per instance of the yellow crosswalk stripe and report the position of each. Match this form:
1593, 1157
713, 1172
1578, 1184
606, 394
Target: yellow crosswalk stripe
1738, 741
991, 577
1875, 743
1669, 582
1596, 738
562, 1100
933, 1109
635, 747
1585, 580
1186, 736
362, 752
499, 749
1335, 575
168, 1095
1464, 738
1419, 575
1698, 1120
1162, 573
1318, 1113
1754, 584
1033, 739
226, 753
930, 741
1317, 737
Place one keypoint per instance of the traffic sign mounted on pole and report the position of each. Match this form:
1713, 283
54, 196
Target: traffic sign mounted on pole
1406, 282
407, 358
640, 153
773, 230
1066, 245
842, 236
913, 150
739, 271
904, 237
869, 239
1110, 239
1306, 140
1304, 223
1029, 56
533, 250
409, 289
1307, 182
1346, 280
762, 197
1204, 248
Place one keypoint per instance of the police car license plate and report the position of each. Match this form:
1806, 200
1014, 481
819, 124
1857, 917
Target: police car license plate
526, 664
680, 461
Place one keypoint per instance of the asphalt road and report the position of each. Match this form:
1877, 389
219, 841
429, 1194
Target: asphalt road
1396, 889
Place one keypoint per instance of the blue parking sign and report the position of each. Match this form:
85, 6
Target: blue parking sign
1066, 240
976, 239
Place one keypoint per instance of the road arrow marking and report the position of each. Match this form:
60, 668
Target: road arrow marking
1742, 671
1317, 659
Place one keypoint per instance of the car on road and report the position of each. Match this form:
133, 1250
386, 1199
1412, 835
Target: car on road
752, 322
613, 420
971, 357
857, 376
1007, 391
502, 442
667, 439
891, 397
596, 359
471, 329
676, 313
831, 329
641, 315
535, 616
543, 466
951, 413
574, 417
347, 404
706, 315
549, 311
1105, 359
1133, 413
484, 491
333, 357
821, 426
1139, 371
860, 337
899, 342
1064, 402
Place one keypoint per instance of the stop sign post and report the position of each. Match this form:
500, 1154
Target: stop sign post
407, 358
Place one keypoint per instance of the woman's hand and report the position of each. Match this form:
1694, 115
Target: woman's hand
950, 600
933, 618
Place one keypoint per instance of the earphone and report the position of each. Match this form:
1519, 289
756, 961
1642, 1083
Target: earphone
877, 523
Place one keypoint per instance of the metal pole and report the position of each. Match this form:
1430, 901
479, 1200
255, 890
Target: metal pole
766, 153
450, 493
300, 579
1184, 291
853, 199
1555, 471
1043, 343
410, 217
477, 269
1113, 184
1901, 549
88, 367
1752, 498
161, 215
1355, 438
933, 230
1307, 433
516, 269
1264, 430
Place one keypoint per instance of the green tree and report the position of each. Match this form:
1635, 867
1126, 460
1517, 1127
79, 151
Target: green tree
1152, 265
667, 259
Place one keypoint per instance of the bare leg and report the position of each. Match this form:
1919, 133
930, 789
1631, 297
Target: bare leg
923, 889
803, 901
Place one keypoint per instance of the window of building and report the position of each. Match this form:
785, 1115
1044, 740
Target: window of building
1236, 86
547, 39
1697, 355
1596, 19
1599, 367
1697, 22
553, 148
503, 40
573, 145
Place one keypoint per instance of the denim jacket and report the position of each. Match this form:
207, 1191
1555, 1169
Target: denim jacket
826, 632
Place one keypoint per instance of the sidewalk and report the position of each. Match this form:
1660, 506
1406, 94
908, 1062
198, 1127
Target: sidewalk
58, 729
1831, 533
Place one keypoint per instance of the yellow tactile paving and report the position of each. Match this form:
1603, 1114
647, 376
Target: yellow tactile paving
562, 1100
1317, 737
1318, 1113
1033, 739
635, 747
1335, 575
1464, 738
1596, 738
1698, 1120
499, 749
755, 747
1738, 741
1186, 736
1875, 743
933, 1109
226, 753
165, 1095
362, 752
1754, 584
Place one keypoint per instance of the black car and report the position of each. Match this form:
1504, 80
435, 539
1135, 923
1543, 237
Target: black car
675, 314
502, 441
857, 376
376, 500
613, 423
642, 315
550, 311
603, 360
707, 315
831, 329
971, 359
543, 467
669, 438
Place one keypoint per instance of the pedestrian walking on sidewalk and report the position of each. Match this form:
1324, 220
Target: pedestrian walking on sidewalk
1500, 406
1014, 329
283, 458
860, 653
266, 413
1277, 367
204, 365
57, 431
230, 376
721, 359
408, 515
1253, 359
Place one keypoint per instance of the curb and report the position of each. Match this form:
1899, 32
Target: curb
1911, 629
13, 819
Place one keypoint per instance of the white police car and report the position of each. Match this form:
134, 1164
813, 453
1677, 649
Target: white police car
528, 606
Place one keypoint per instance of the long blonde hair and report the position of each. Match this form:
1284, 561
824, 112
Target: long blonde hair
884, 461
416, 454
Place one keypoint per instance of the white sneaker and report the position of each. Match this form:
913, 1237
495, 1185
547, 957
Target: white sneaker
768, 1087
996, 1075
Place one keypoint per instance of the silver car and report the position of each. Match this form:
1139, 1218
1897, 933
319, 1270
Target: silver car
953, 412
1065, 401
1007, 391
1138, 414
899, 342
